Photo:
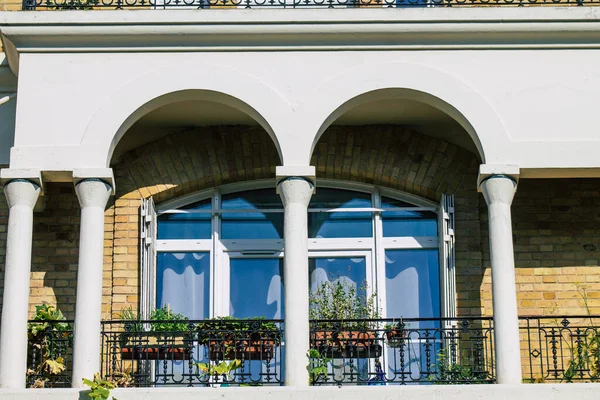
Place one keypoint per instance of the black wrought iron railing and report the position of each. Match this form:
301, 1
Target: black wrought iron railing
193, 353
407, 351
560, 349
49, 353
287, 4
374, 352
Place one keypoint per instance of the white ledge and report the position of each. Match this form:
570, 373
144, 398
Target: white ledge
297, 30
433, 392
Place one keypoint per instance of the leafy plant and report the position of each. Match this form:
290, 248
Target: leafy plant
317, 364
164, 320
230, 328
51, 338
99, 388
586, 350
449, 371
223, 369
337, 299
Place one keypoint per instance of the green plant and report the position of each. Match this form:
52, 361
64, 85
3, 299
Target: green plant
223, 369
317, 364
448, 370
224, 328
48, 328
164, 320
586, 348
99, 388
337, 299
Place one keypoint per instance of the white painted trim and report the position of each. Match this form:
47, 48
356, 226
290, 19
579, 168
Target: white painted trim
321, 244
184, 245
410, 242
261, 30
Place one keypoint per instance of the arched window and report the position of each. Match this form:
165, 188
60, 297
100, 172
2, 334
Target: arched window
220, 252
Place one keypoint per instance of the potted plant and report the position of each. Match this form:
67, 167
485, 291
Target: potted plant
50, 337
167, 336
230, 338
395, 333
344, 320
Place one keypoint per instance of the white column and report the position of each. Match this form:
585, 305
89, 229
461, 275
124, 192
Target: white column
93, 195
295, 194
499, 191
22, 196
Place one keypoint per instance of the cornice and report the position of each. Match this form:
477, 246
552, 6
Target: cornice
300, 30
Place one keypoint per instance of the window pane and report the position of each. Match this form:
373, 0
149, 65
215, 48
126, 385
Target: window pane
183, 282
339, 224
256, 288
407, 223
252, 225
350, 270
187, 226
412, 285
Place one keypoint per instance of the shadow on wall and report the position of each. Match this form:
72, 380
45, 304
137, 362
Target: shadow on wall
56, 249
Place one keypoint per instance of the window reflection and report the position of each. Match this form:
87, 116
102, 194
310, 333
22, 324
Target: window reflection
407, 223
187, 225
256, 288
252, 225
339, 224
182, 282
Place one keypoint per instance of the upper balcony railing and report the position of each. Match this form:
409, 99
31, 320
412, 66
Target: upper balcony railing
350, 352
287, 4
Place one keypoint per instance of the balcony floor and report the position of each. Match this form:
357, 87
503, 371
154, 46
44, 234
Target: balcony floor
579, 391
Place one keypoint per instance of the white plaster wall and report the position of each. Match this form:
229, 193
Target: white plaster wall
442, 392
533, 107
8, 110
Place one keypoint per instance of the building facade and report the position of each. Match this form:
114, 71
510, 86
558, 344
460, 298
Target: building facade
440, 162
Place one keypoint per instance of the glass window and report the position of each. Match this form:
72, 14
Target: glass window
252, 224
339, 224
187, 225
183, 282
352, 270
412, 284
256, 288
407, 223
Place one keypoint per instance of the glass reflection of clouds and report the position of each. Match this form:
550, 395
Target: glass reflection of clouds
349, 270
183, 281
252, 225
412, 284
187, 225
407, 223
256, 288
339, 224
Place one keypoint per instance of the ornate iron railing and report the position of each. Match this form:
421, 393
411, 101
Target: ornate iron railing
193, 353
407, 351
288, 4
561, 349
374, 352
49, 353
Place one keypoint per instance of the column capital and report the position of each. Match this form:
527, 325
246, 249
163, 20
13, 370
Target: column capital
20, 174
21, 192
104, 174
306, 172
486, 171
93, 192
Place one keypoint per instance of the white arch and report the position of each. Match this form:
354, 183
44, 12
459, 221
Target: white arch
400, 80
215, 83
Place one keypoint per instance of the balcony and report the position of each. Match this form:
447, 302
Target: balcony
554, 349
286, 4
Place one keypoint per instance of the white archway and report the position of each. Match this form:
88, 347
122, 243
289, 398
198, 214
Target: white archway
399, 80
223, 85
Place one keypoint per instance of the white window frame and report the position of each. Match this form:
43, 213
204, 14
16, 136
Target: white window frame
374, 247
